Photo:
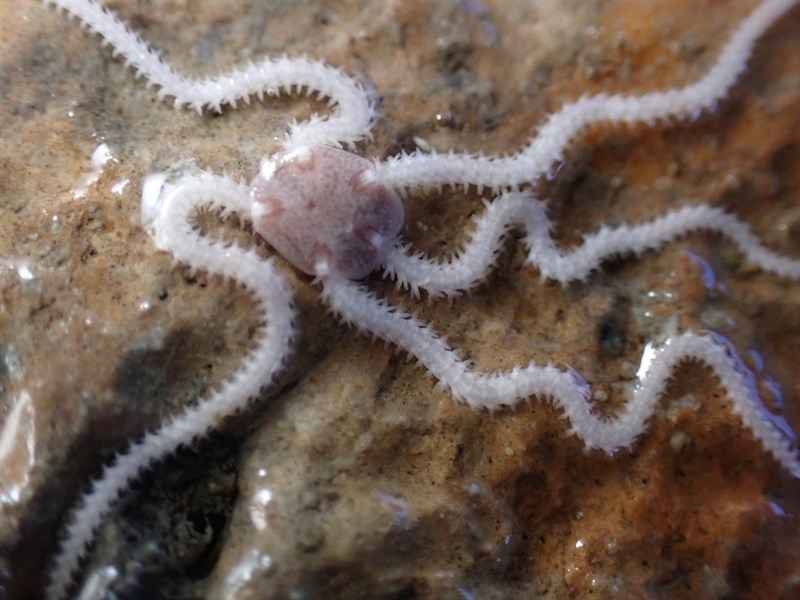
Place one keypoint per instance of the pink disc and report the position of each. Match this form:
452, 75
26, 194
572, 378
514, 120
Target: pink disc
319, 210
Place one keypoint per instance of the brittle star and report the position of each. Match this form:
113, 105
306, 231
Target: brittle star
336, 216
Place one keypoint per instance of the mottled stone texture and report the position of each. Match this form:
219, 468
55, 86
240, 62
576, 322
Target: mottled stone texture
355, 477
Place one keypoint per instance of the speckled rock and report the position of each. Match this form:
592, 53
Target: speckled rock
354, 476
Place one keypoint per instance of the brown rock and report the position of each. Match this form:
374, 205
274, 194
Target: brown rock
355, 477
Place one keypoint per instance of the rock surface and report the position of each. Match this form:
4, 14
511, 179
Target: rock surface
355, 477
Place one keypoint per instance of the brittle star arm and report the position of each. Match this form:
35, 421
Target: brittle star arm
174, 232
359, 307
449, 276
425, 170
353, 113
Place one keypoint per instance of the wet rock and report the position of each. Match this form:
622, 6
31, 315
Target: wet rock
354, 476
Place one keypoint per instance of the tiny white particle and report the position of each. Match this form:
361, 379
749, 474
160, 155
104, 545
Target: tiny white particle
119, 187
24, 272
151, 197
